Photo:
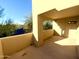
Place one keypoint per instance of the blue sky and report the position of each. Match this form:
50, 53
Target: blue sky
17, 10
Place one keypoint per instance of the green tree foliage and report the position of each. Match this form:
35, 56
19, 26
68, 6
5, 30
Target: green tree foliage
7, 29
47, 25
28, 24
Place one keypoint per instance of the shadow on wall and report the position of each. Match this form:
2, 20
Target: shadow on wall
67, 26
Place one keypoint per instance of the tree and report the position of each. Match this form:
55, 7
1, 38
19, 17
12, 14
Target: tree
47, 25
8, 22
7, 29
28, 24
1, 12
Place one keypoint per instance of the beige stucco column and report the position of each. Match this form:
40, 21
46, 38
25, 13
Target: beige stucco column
38, 30
35, 30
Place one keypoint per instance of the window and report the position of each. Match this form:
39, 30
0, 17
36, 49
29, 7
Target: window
72, 22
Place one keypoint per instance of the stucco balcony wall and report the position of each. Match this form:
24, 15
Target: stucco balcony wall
13, 44
46, 34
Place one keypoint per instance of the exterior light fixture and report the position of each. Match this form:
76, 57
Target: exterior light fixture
72, 22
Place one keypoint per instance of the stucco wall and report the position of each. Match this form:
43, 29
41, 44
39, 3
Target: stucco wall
70, 30
1, 51
15, 43
41, 6
45, 34
62, 27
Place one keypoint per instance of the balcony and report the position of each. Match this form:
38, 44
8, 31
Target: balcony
50, 49
57, 47
60, 42
13, 44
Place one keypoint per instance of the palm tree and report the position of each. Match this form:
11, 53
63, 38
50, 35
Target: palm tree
28, 24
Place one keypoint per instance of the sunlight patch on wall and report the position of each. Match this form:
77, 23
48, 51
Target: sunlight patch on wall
56, 27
